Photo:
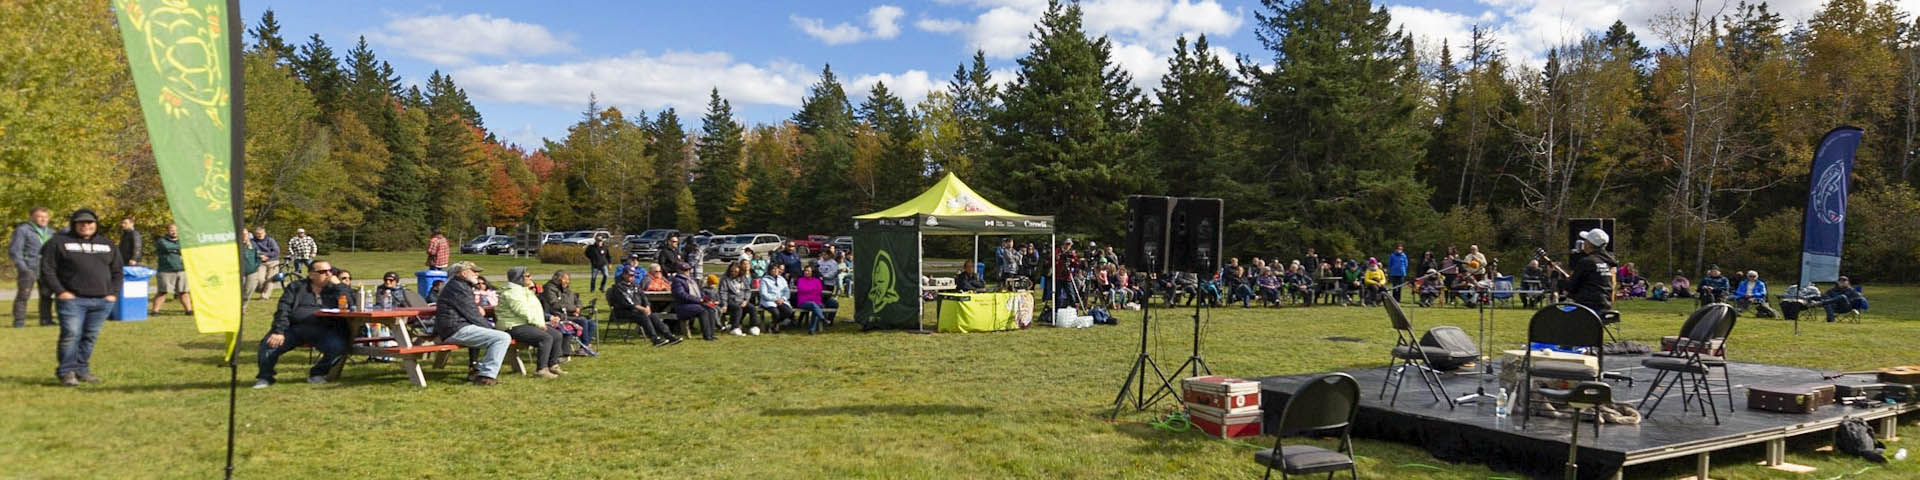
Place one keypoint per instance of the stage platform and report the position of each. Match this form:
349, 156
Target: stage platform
1472, 434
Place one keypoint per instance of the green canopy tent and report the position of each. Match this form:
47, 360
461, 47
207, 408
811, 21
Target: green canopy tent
887, 246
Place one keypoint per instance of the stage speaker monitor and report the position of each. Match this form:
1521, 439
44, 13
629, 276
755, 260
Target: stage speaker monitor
1577, 225
1147, 232
1197, 228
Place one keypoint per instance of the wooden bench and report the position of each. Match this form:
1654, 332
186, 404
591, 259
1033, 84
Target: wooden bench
410, 359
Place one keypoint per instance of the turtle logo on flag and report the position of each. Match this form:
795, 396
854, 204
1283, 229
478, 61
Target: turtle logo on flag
1830, 194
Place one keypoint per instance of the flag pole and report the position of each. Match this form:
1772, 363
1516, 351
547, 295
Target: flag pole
237, 171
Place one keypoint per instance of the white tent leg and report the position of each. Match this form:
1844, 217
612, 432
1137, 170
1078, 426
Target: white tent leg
976, 253
1053, 272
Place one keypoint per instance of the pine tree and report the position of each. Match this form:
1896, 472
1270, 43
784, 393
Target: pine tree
901, 167
453, 160
1065, 135
716, 186
770, 174
266, 39
1195, 136
317, 67
825, 185
972, 94
1343, 171
672, 197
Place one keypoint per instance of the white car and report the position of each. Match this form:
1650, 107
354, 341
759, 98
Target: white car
584, 237
734, 247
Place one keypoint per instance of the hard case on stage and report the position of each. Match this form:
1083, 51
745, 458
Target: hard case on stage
1803, 398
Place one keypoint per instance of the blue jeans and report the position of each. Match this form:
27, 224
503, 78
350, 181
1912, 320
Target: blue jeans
495, 343
818, 314
1243, 292
301, 265
589, 329
597, 277
1838, 306
330, 340
80, 322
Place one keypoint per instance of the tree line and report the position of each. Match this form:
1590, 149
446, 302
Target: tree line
1341, 135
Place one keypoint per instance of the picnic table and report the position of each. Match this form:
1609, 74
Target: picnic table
406, 347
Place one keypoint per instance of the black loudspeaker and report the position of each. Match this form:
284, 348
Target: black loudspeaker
1448, 348
1196, 235
1577, 225
1147, 232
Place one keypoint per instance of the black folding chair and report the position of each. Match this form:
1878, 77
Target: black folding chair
1327, 402
1686, 362
1409, 355
1566, 325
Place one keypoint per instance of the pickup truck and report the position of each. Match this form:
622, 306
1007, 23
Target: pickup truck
811, 244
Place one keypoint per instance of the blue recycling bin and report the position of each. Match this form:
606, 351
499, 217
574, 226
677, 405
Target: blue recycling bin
426, 279
132, 306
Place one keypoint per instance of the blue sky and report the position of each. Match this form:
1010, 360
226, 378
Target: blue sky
529, 66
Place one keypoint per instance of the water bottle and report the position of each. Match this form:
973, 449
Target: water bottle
1500, 406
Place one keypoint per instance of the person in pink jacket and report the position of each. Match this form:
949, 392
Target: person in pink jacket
809, 296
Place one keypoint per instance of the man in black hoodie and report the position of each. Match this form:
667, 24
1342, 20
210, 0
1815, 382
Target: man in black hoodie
297, 322
82, 270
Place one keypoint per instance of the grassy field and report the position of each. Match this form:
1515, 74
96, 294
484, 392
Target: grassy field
1027, 404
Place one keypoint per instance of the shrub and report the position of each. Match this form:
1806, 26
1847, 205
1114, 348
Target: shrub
573, 254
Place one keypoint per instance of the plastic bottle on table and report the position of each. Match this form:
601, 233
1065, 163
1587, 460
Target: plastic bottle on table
1500, 406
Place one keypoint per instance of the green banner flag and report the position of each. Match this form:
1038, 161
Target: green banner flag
183, 57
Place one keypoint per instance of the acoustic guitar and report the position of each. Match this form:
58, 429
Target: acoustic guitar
1907, 374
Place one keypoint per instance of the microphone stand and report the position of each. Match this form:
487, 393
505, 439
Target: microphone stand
1141, 363
1486, 358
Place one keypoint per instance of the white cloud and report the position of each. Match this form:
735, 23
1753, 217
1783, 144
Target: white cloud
883, 22
911, 87
450, 40
639, 80
1142, 31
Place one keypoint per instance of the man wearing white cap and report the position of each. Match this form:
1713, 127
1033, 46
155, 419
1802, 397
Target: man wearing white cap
1590, 284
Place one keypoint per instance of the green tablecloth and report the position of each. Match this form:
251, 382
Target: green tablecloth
984, 312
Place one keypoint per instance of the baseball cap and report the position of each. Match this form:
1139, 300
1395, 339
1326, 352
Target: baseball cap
461, 266
1596, 237
84, 215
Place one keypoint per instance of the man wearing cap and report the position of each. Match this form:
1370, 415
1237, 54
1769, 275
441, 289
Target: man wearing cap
82, 270
171, 276
460, 322
630, 303
297, 321
24, 250
301, 250
1590, 284
523, 318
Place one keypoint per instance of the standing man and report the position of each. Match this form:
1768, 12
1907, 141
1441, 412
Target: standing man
1590, 284
438, 252
297, 322
172, 271
269, 259
301, 249
28, 238
786, 257
1008, 258
82, 269
597, 259
459, 321
1397, 269
129, 241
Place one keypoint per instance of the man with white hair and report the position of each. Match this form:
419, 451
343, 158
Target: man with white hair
1590, 284
1752, 293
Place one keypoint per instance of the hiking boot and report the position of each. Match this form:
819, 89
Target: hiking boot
69, 379
485, 381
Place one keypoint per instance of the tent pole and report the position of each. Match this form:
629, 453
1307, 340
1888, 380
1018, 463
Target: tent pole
976, 253
1053, 272
919, 270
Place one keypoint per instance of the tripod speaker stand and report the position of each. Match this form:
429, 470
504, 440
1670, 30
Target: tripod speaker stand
1197, 364
1141, 364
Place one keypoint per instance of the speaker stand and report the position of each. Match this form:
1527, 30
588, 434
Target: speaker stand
1139, 371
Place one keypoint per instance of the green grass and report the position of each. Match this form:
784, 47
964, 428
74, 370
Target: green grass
1027, 404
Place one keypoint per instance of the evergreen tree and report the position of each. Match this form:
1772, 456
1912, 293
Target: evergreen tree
825, 184
972, 94
716, 186
900, 168
267, 40
1065, 134
770, 174
1343, 172
1195, 136
672, 197
453, 160
317, 66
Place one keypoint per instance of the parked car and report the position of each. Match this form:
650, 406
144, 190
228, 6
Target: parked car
735, 246
713, 245
584, 237
648, 243
550, 237
488, 244
843, 243
813, 243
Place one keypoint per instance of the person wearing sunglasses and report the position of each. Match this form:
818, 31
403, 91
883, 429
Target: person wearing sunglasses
296, 322
390, 294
